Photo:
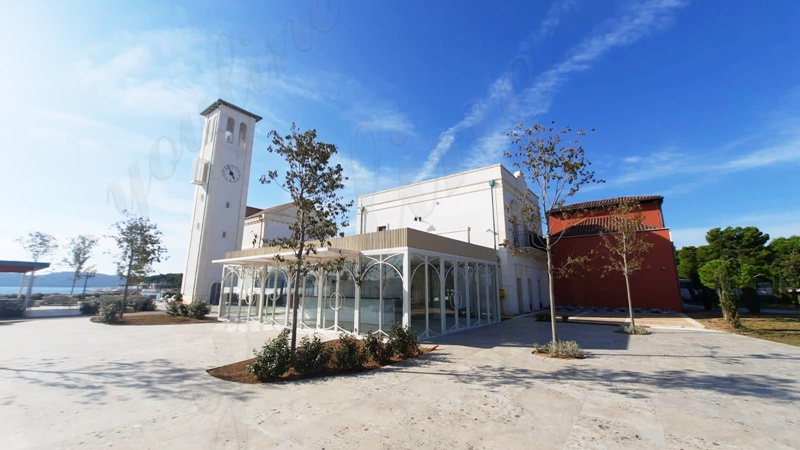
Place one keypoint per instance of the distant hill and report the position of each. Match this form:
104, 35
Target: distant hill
61, 279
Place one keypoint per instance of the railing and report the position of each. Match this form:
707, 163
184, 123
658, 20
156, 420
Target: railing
529, 239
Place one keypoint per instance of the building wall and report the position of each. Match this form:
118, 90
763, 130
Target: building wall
461, 206
653, 286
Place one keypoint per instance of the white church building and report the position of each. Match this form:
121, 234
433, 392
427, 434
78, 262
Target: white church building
432, 255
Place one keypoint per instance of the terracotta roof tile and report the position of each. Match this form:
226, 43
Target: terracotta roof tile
610, 202
597, 225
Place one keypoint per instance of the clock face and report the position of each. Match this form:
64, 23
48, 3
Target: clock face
231, 173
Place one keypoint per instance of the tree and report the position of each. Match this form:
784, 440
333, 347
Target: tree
555, 162
719, 274
139, 243
785, 267
90, 273
79, 251
38, 244
743, 248
688, 264
313, 184
625, 247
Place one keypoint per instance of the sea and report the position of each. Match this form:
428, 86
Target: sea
4, 290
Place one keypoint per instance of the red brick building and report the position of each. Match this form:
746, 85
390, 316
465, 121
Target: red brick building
655, 285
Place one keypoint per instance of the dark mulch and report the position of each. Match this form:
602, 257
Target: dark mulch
237, 372
155, 319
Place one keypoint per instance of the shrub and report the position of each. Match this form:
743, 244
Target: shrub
140, 303
348, 355
403, 341
638, 329
273, 360
376, 349
90, 307
109, 310
196, 310
560, 349
11, 308
542, 317
312, 356
177, 309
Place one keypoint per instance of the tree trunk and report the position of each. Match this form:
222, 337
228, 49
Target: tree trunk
125, 292
295, 294
74, 279
86, 280
630, 303
551, 289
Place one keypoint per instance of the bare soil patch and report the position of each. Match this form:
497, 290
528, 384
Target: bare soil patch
237, 372
155, 319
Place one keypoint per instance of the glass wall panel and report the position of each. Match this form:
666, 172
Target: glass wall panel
347, 290
277, 292
308, 304
369, 306
450, 294
475, 294
392, 292
434, 296
419, 308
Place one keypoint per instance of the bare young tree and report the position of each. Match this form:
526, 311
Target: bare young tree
139, 243
313, 184
624, 246
79, 251
38, 244
555, 162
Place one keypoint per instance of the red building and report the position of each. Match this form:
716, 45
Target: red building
655, 285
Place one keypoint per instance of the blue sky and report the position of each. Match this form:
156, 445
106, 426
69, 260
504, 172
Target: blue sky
696, 101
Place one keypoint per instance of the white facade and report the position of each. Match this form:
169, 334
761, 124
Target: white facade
221, 175
270, 223
474, 207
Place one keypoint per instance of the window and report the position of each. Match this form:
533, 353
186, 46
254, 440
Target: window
242, 134
224, 234
229, 131
383, 227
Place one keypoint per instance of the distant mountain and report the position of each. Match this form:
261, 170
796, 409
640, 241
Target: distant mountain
61, 279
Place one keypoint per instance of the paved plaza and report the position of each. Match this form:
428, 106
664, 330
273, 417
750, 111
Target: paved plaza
70, 383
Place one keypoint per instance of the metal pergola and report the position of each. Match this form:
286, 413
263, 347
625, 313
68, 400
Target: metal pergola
28, 270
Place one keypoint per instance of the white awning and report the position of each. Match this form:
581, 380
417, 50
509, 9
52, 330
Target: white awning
324, 253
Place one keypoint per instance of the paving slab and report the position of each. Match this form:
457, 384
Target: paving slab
70, 383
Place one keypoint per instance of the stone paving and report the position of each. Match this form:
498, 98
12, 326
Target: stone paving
70, 383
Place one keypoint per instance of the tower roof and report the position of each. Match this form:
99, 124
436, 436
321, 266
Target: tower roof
220, 101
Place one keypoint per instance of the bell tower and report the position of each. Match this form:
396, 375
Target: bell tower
220, 176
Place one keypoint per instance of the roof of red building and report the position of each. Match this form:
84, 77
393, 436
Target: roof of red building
610, 202
597, 225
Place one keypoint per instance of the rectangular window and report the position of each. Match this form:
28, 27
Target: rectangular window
383, 227
223, 234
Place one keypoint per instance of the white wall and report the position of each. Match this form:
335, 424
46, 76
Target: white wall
460, 207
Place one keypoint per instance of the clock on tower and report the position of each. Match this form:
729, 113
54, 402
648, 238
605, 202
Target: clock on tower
220, 176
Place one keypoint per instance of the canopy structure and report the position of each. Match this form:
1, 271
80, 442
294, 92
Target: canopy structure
27, 269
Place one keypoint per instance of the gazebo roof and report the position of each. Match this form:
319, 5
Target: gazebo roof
22, 266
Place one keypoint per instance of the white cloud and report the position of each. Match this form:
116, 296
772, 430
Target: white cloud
634, 22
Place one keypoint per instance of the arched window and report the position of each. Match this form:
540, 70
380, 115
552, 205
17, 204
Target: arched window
229, 131
242, 134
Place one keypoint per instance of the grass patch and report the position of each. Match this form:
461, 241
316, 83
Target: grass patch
155, 319
784, 329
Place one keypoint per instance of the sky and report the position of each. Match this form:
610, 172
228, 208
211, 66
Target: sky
99, 103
